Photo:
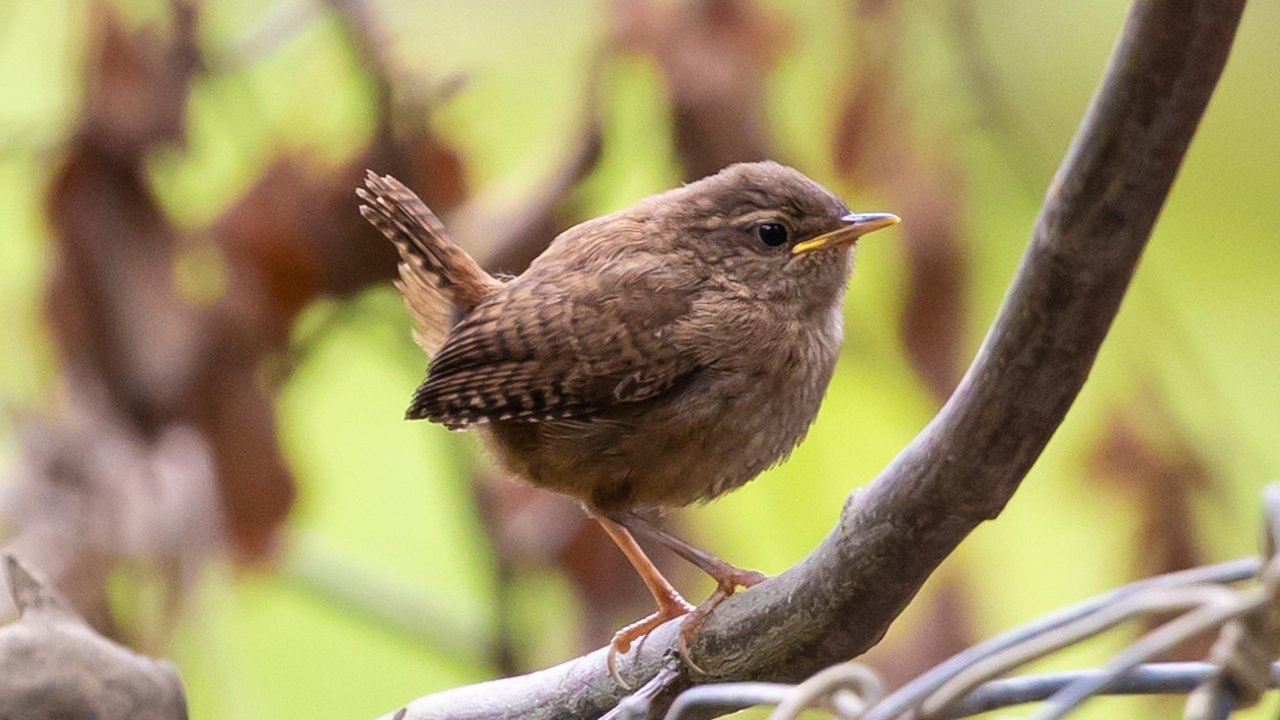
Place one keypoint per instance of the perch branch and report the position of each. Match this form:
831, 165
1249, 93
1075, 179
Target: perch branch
966, 464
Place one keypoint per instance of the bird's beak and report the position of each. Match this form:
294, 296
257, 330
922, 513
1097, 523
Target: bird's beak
856, 225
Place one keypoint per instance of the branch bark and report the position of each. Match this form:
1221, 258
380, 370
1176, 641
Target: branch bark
53, 665
966, 464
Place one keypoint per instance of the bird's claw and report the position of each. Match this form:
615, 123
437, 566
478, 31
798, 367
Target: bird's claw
727, 583
624, 638
694, 620
739, 578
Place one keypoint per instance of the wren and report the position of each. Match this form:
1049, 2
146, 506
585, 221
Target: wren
657, 356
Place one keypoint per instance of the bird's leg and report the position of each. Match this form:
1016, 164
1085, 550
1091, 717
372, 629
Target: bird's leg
728, 577
670, 604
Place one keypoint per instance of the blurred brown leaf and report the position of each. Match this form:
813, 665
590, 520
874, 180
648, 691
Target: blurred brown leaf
1146, 459
873, 146
944, 628
113, 303
860, 125
137, 84
932, 327
110, 301
714, 56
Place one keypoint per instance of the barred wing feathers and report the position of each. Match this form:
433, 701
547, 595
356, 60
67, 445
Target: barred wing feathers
537, 351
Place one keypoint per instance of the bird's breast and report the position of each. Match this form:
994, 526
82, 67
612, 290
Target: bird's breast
737, 418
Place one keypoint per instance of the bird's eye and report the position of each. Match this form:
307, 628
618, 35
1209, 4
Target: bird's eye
772, 234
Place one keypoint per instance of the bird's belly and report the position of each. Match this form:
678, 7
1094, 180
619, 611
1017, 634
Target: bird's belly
706, 439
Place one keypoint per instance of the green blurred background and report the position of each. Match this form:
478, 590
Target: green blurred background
383, 584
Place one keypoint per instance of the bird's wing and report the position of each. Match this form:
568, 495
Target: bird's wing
538, 350
438, 279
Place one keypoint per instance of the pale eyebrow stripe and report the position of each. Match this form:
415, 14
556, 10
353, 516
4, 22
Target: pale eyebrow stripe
777, 214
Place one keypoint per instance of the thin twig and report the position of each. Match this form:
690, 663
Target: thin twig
350, 584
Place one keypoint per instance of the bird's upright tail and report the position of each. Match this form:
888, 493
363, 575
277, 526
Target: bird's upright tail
438, 279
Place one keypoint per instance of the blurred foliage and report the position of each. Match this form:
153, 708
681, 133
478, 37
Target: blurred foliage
1158, 465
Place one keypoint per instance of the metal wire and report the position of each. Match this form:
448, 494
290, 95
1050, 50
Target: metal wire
1162, 640
723, 698
962, 685
1144, 602
912, 693
860, 684
1173, 678
1154, 679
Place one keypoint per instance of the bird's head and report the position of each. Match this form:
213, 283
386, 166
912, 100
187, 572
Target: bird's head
771, 229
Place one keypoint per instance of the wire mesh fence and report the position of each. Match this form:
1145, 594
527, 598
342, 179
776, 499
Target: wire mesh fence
1237, 600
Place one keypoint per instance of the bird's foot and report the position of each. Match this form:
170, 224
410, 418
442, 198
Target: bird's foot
735, 577
673, 608
726, 584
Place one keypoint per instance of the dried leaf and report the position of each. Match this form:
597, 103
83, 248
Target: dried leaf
943, 628
714, 56
1147, 459
873, 147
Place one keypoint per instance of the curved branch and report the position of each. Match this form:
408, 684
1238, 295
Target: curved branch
963, 467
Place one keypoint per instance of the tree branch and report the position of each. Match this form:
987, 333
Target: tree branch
53, 665
963, 467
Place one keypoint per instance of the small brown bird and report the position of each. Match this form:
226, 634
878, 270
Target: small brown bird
664, 354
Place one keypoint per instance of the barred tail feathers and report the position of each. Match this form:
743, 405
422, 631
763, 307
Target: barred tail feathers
438, 279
